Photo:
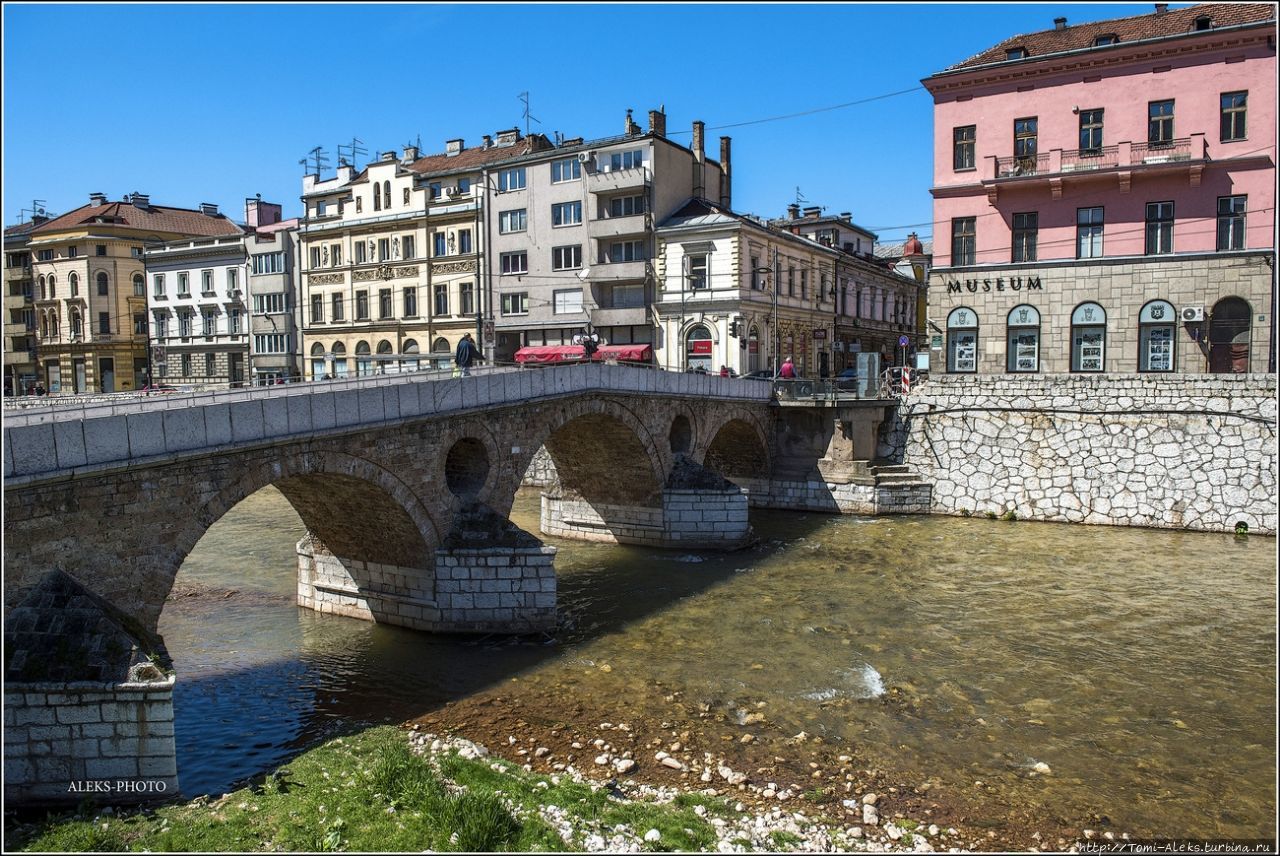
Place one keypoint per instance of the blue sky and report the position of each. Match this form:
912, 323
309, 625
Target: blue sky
213, 103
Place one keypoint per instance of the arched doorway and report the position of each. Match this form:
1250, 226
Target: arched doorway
698, 348
1229, 338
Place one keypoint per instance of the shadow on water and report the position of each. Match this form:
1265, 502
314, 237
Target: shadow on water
260, 679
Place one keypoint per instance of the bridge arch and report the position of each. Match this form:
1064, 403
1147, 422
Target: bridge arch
736, 446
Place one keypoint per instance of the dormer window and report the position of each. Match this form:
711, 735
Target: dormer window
1016, 53
1106, 39
1203, 23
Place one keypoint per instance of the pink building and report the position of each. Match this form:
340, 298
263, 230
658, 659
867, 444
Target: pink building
1104, 197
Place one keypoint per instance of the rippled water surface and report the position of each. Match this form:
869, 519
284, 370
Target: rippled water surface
1139, 665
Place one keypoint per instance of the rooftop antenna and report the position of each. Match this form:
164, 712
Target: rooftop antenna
36, 209
800, 196
524, 96
318, 159
353, 149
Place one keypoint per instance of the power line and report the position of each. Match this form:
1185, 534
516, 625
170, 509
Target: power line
805, 112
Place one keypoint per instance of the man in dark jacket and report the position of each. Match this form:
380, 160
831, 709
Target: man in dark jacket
467, 354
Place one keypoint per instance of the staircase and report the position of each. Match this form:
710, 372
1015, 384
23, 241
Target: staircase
899, 489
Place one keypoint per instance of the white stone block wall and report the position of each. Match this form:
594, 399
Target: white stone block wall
836, 498
113, 742
541, 471
1185, 451
496, 589
687, 518
705, 518
387, 594
579, 520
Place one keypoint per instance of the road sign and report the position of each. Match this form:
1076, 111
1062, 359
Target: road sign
903, 341
819, 334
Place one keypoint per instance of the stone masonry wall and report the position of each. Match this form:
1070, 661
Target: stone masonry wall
834, 497
542, 470
705, 518
496, 589
568, 517
1195, 452
388, 594
112, 742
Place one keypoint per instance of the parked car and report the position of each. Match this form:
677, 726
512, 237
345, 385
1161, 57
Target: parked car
847, 380
158, 388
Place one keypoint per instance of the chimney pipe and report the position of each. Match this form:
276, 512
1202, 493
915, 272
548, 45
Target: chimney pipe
726, 175
631, 127
410, 154
1161, 8
657, 123
1059, 23
699, 158
793, 211
208, 209
97, 199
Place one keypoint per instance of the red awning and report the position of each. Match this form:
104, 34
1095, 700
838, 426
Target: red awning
545, 354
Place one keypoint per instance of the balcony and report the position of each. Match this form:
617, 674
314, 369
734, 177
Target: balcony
631, 316
605, 270
613, 227
609, 181
1186, 156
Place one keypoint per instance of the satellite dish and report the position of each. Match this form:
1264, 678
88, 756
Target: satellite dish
584, 273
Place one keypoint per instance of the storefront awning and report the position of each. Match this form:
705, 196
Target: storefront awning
545, 354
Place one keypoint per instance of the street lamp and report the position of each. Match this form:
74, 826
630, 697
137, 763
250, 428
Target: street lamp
774, 290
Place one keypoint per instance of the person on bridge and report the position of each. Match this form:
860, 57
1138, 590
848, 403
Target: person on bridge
788, 370
467, 354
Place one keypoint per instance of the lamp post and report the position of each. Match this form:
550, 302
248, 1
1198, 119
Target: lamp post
769, 270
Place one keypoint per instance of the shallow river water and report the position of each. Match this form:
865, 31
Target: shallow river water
1139, 665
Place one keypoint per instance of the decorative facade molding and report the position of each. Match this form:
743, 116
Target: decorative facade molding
453, 267
326, 279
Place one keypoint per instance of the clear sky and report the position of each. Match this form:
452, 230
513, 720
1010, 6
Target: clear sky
213, 103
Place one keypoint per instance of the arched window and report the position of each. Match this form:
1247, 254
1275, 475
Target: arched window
318, 370
77, 329
1155, 337
1229, 338
384, 352
410, 349
339, 359
1088, 338
74, 281
54, 328
377, 196
962, 341
53, 286
43, 294
440, 346
44, 325
698, 348
364, 362
1024, 339
102, 284
386, 194
139, 286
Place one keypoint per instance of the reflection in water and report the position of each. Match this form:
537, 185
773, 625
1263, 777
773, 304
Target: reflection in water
1142, 674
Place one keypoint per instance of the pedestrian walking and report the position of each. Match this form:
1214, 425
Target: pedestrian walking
724, 371
788, 370
466, 354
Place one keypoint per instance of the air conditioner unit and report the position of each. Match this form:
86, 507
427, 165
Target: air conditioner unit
449, 192
1191, 314
586, 157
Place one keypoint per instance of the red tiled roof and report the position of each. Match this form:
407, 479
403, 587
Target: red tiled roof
153, 218
476, 156
1173, 22
20, 229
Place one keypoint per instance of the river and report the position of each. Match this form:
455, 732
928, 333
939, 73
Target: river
1138, 665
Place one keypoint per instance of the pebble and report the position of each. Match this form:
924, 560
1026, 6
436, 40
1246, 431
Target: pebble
673, 763
855, 832
601, 760
624, 765
869, 815
933, 829
652, 835
1042, 768
541, 752
892, 831
870, 799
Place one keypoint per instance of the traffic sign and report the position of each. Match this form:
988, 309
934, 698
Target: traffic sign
903, 341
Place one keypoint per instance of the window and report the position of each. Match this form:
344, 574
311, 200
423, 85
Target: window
206, 282
315, 257
139, 324
512, 221
626, 206
44, 255
962, 341
386, 193
268, 263
962, 147
136, 252
1024, 339
407, 243
209, 322
270, 343
515, 262
567, 301
1090, 132
439, 245
186, 365
1015, 53
104, 323
566, 258
1160, 123
336, 304
804, 283
963, 240
162, 325
384, 303
1202, 23
335, 255
515, 304
100, 249
625, 251
103, 285
317, 309
466, 298
628, 296
362, 305
269, 304
361, 252
434, 189
377, 197
464, 241
410, 296
441, 305
1155, 337
511, 179
566, 214
1159, 228
1088, 338
1024, 142
384, 249
757, 279
791, 281
626, 160
1231, 211
1234, 106
74, 281
233, 279
73, 252
464, 186
1088, 233
1026, 231
1106, 39
565, 170
209, 365
698, 267
322, 208
184, 325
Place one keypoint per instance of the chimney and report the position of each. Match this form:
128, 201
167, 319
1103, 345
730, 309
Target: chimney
141, 200
486, 142
509, 138
97, 199
208, 209
793, 211
726, 175
699, 158
453, 147
657, 123
813, 212
630, 128
1059, 23
410, 154
388, 156
1161, 8
846, 215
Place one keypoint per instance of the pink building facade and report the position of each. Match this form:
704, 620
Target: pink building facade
1104, 197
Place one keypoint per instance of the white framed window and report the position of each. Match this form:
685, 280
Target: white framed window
626, 206
1089, 222
511, 179
515, 220
210, 322
268, 263
565, 170
962, 341
1155, 336
233, 321
210, 365
184, 325
335, 255
157, 284
626, 160
233, 279
206, 282
698, 271
566, 213
466, 298
516, 303
515, 263
271, 343
1024, 339
566, 258
441, 299
1088, 338
567, 301
162, 325
337, 304
625, 251
184, 284
269, 304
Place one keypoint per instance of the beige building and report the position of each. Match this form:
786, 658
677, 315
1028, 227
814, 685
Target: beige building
391, 259
91, 293
19, 309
